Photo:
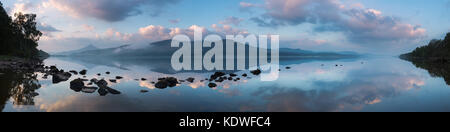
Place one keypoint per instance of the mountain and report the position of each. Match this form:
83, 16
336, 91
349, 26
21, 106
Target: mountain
162, 49
67, 53
435, 51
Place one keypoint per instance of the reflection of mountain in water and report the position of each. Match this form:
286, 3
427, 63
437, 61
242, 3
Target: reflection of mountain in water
20, 87
157, 56
435, 69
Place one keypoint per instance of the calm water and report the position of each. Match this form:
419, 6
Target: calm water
365, 84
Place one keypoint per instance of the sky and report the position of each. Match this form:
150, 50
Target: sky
368, 26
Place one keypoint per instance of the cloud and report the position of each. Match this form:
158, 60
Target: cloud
109, 10
21, 7
232, 20
228, 30
247, 7
47, 29
360, 25
88, 27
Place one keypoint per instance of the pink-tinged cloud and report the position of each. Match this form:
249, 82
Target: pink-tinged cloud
359, 24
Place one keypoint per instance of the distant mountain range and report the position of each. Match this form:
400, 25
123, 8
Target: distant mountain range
68, 53
162, 49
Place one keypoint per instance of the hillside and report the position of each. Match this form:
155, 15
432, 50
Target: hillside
435, 51
155, 50
18, 37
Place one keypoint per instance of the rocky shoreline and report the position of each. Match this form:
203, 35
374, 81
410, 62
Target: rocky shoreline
101, 86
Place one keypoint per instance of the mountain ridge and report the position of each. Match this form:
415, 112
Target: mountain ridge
154, 50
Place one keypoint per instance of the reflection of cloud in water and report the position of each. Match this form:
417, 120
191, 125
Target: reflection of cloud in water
352, 95
78, 103
146, 84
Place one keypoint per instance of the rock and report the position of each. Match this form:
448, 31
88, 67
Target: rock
220, 80
102, 83
212, 85
90, 83
94, 80
102, 91
77, 85
161, 85
244, 75
182, 81
53, 70
230, 78
144, 91
99, 74
143, 79
191, 80
113, 80
112, 91
61, 77
89, 89
288, 68
256, 72
108, 73
83, 72
217, 75
119, 77
166, 82
74, 72
233, 75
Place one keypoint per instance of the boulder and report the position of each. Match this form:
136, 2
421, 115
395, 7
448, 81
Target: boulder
77, 85
61, 77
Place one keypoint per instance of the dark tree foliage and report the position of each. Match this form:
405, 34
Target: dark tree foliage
18, 37
436, 50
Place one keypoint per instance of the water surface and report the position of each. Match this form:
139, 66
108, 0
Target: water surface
364, 84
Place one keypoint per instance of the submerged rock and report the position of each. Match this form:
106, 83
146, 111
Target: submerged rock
143, 79
108, 73
288, 68
119, 77
233, 75
144, 91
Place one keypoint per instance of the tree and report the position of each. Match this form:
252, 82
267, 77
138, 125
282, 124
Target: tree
19, 37
26, 25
